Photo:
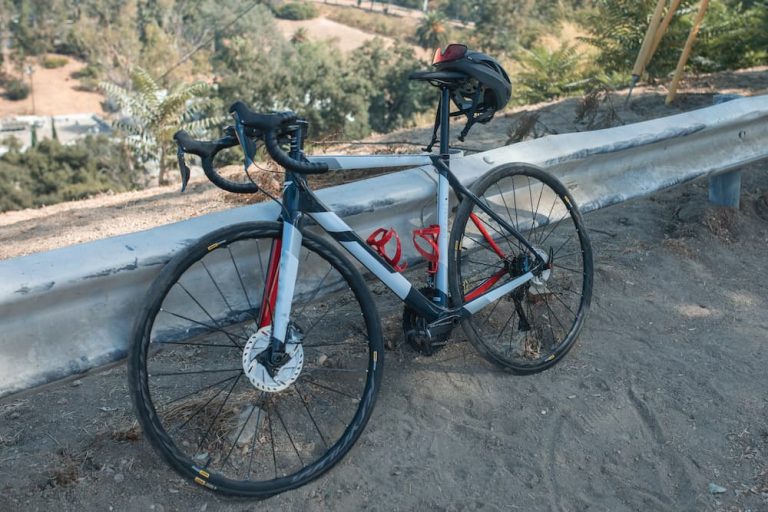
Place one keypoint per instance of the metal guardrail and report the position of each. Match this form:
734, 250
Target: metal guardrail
70, 310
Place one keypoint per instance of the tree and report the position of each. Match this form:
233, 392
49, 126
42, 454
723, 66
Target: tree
617, 28
502, 26
154, 114
432, 31
51, 172
392, 98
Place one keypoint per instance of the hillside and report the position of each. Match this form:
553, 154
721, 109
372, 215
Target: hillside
33, 230
54, 92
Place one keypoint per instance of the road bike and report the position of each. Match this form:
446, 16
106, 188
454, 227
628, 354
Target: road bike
258, 354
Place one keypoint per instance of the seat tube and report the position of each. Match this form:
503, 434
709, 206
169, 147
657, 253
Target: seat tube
443, 205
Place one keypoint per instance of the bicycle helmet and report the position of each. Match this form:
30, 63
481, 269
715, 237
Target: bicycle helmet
487, 88
477, 84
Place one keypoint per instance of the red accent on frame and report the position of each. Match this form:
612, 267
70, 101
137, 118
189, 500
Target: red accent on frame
484, 232
270, 284
485, 286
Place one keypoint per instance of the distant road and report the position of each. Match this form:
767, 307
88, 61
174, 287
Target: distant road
397, 10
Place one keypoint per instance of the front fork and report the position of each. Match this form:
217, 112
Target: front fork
282, 296
279, 287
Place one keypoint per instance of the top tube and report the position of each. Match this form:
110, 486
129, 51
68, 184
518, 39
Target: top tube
344, 162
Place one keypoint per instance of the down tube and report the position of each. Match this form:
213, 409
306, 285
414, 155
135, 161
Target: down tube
343, 234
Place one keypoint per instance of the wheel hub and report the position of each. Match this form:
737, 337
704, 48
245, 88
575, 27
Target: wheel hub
259, 375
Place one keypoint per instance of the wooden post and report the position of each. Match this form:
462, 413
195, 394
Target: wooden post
650, 34
662, 30
686, 51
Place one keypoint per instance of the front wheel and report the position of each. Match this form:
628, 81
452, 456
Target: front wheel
214, 414
534, 326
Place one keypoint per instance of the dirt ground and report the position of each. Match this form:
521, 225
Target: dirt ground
660, 406
346, 38
55, 93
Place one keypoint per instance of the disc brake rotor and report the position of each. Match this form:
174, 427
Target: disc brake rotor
258, 373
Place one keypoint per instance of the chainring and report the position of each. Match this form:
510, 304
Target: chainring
415, 330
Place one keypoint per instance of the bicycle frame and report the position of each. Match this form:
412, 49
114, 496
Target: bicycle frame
299, 199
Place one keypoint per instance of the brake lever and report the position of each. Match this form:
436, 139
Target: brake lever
183, 168
246, 143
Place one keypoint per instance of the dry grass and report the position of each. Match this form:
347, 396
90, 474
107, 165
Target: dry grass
720, 221
70, 466
386, 25
596, 108
526, 125
679, 247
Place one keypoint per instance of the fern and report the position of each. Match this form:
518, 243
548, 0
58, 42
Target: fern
546, 74
153, 115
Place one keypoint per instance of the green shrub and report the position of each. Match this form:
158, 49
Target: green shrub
89, 71
546, 74
16, 90
732, 37
54, 61
51, 173
297, 11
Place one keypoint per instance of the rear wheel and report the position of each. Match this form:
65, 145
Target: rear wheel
222, 421
531, 328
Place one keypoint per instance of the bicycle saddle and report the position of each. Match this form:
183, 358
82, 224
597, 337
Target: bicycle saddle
441, 77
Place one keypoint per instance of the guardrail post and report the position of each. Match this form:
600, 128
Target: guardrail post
725, 189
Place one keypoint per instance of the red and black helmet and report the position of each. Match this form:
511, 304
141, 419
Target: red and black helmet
487, 87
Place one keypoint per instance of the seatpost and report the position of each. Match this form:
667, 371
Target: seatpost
443, 190
445, 128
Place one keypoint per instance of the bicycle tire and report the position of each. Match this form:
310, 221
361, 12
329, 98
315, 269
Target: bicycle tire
253, 446
533, 327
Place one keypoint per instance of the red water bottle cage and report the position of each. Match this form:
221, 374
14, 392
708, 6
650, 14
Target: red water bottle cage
429, 235
379, 240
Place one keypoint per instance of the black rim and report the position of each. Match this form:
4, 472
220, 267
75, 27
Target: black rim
532, 327
205, 415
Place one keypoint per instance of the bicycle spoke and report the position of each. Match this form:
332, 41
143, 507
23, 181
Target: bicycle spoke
343, 370
272, 439
210, 329
229, 335
280, 418
242, 284
213, 421
196, 344
196, 372
314, 294
198, 391
328, 388
312, 418
240, 433
255, 436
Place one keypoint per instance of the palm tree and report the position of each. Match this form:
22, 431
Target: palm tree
433, 31
155, 114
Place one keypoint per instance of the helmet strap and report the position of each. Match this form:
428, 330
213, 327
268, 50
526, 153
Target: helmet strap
432, 143
470, 113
